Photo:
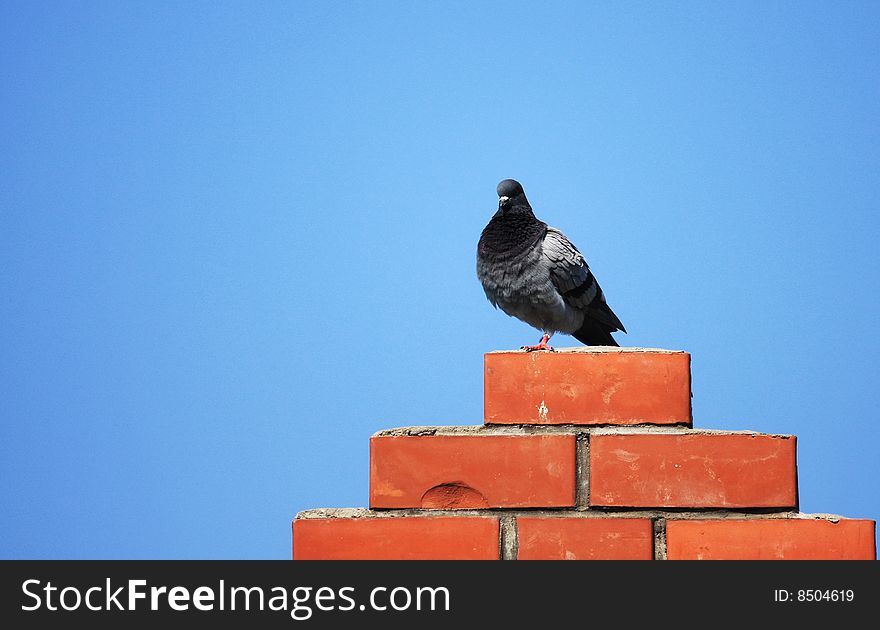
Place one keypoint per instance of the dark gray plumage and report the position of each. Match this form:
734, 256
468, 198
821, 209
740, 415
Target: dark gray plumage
531, 271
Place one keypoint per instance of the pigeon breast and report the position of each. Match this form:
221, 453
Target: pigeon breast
517, 274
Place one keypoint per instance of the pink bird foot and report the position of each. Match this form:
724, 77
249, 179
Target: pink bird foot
542, 345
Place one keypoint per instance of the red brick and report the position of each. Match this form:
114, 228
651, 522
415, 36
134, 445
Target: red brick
472, 471
585, 539
404, 538
693, 470
587, 387
770, 539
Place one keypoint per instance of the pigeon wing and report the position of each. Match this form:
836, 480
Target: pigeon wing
573, 279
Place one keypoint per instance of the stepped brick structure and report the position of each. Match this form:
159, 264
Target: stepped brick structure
586, 453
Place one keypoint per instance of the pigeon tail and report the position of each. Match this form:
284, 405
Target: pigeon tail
594, 333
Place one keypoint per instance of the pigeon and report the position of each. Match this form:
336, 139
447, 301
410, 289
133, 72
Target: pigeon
531, 271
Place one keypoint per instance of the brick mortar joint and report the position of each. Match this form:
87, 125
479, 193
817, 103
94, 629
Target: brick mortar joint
570, 512
582, 470
562, 429
508, 538
659, 529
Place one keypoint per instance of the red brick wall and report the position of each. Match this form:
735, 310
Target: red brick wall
585, 454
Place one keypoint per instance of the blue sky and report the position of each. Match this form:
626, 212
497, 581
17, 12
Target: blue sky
238, 238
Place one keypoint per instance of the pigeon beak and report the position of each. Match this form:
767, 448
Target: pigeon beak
502, 201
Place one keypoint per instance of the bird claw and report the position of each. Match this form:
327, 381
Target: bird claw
538, 347
542, 345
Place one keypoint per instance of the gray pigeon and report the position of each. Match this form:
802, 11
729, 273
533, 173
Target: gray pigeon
532, 272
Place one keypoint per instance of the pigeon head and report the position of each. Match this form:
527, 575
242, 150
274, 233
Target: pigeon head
510, 193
